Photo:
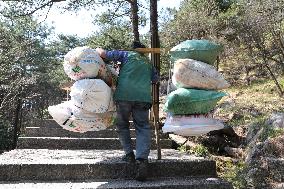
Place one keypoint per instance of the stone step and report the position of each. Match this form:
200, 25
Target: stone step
60, 165
162, 183
60, 132
79, 143
50, 123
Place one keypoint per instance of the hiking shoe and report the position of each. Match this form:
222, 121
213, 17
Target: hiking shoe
129, 158
142, 169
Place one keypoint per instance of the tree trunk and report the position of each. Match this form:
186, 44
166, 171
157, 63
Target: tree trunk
135, 19
280, 91
16, 123
264, 55
155, 43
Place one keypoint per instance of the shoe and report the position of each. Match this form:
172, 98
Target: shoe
129, 158
142, 169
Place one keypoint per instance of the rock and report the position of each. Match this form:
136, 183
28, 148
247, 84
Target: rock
274, 147
269, 148
276, 120
178, 139
265, 163
258, 132
255, 177
254, 153
253, 133
234, 152
251, 142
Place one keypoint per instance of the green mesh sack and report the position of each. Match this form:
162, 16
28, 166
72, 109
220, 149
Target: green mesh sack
192, 101
201, 50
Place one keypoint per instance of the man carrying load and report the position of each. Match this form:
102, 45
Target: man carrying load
133, 97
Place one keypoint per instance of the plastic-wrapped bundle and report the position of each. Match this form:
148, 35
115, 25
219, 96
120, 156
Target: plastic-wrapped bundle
74, 119
60, 113
189, 73
191, 125
202, 50
92, 95
192, 101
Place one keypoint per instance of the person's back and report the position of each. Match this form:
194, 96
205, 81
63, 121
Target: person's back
134, 81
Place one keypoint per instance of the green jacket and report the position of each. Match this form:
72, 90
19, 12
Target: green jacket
134, 80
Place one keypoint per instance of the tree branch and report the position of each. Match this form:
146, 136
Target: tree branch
49, 3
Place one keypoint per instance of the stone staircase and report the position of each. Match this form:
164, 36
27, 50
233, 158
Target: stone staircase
50, 157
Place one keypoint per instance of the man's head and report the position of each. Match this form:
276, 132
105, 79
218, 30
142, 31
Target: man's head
137, 44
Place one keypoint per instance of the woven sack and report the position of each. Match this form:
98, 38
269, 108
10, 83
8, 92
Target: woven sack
202, 50
189, 73
96, 122
83, 62
192, 101
191, 125
73, 119
92, 95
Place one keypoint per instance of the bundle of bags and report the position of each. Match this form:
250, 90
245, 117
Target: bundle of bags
91, 107
189, 107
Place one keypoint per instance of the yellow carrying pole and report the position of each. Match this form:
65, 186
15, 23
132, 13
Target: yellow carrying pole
149, 50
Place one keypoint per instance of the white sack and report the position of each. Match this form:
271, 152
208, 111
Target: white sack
73, 119
83, 62
189, 73
191, 125
92, 95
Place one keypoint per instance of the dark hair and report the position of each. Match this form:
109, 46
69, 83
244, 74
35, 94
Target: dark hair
137, 44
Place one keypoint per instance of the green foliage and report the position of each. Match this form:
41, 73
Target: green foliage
224, 5
262, 23
64, 43
58, 48
112, 37
182, 148
250, 33
198, 150
29, 70
195, 19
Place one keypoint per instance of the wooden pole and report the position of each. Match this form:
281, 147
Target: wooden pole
155, 57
